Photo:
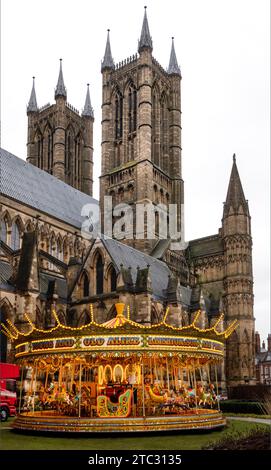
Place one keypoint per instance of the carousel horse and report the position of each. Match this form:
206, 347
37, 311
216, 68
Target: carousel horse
29, 401
155, 397
203, 397
206, 397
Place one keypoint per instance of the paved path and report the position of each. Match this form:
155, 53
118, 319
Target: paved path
251, 420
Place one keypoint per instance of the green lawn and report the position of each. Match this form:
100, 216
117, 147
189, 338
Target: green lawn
10, 440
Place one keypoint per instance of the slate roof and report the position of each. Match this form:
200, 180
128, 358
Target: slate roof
160, 248
123, 254
264, 356
36, 188
5, 271
61, 285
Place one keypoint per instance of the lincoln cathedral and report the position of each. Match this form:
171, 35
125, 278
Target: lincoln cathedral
46, 263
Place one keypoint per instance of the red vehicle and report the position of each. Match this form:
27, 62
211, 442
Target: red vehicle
8, 397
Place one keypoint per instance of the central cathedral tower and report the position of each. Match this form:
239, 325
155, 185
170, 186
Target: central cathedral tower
141, 132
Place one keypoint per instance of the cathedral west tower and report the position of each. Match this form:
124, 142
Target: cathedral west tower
60, 140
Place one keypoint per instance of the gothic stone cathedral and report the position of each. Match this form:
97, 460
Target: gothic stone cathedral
44, 260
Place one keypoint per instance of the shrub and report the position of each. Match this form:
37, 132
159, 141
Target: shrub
255, 439
239, 406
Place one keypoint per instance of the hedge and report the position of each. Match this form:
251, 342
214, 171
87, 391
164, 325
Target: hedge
239, 406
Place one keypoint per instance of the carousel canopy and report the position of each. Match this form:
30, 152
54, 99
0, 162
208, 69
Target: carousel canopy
120, 334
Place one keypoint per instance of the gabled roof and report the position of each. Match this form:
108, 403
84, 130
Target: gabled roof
29, 185
60, 283
124, 255
264, 356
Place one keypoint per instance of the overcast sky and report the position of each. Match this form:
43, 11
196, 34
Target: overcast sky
223, 50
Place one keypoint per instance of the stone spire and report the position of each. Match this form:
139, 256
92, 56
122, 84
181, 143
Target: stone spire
60, 88
235, 195
32, 106
173, 67
108, 61
145, 38
88, 110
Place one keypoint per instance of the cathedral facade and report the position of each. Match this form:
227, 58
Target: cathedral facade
45, 261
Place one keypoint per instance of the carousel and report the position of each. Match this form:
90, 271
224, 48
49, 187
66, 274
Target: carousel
119, 376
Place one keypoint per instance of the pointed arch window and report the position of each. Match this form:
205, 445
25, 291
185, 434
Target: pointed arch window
28, 227
99, 275
3, 231
65, 251
155, 126
53, 247
112, 279
71, 317
85, 284
15, 236
156, 222
69, 153
38, 148
77, 162
86, 318
59, 250
164, 130
118, 115
132, 109
50, 151
53, 250
154, 316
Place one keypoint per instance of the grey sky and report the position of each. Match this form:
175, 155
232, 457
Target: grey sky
223, 50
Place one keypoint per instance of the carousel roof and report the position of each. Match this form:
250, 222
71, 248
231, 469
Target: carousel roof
120, 324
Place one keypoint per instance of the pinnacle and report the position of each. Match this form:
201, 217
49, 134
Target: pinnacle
108, 61
173, 67
145, 38
60, 88
32, 105
88, 110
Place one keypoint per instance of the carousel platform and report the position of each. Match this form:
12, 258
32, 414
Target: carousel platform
49, 421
